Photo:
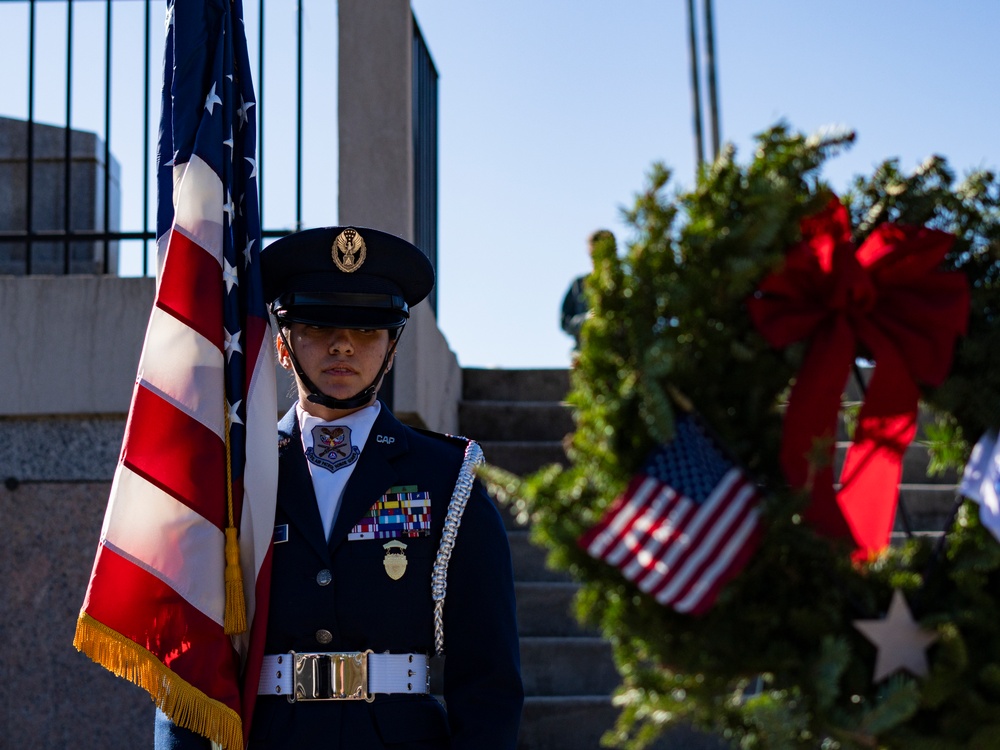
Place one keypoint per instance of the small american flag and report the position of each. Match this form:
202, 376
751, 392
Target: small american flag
199, 458
685, 525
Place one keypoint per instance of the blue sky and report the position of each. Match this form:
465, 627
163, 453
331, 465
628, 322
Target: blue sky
552, 112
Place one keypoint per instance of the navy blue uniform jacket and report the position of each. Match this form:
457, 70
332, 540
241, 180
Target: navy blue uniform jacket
363, 608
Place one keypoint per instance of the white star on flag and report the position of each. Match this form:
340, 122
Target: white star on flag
229, 275
247, 257
232, 344
211, 100
234, 417
244, 110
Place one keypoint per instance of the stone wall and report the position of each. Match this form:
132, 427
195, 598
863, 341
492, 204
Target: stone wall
52, 695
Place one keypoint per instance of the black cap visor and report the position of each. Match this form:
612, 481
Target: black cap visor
342, 310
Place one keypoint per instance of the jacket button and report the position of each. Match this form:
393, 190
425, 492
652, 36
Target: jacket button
324, 577
324, 636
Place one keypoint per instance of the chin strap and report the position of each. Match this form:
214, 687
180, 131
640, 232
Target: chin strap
362, 398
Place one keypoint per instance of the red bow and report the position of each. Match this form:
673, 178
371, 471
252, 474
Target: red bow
890, 296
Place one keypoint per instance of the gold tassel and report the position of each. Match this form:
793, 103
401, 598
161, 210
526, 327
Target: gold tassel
235, 619
183, 703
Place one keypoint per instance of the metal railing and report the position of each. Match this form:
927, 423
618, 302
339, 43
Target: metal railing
425, 152
118, 19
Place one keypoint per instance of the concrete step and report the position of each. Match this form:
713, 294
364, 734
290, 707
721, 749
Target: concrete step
567, 666
545, 609
523, 457
510, 521
924, 418
480, 384
915, 462
578, 722
517, 421
529, 560
557, 667
927, 506
898, 537
568, 671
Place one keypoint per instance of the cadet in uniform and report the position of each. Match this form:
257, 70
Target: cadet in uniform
386, 551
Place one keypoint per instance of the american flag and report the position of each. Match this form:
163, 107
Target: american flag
686, 524
199, 453
981, 481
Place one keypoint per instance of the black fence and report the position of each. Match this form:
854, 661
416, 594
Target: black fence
94, 67
425, 152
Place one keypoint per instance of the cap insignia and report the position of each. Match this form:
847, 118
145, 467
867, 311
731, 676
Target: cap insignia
348, 251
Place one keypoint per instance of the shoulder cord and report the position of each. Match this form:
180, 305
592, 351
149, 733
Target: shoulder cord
459, 499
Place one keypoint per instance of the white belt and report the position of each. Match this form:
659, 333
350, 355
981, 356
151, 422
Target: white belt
353, 675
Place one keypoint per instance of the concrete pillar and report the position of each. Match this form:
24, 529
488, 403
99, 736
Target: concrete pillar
375, 116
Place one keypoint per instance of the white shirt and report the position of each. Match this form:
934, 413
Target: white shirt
329, 485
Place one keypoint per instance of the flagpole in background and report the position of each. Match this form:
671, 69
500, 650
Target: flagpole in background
699, 141
713, 94
710, 73
185, 547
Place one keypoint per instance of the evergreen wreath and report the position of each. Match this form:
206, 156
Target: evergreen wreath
776, 662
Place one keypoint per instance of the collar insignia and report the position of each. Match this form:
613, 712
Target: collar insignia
332, 448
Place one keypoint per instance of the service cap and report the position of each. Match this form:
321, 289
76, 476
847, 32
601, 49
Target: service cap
345, 277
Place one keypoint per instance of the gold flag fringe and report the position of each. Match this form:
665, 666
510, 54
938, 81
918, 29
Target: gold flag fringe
183, 703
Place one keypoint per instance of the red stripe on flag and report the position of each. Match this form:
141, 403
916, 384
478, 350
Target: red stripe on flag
138, 605
659, 523
256, 333
617, 508
258, 633
649, 512
697, 575
701, 525
178, 454
739, 561
191, 288
238, 498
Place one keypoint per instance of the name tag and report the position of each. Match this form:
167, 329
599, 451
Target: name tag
281, 533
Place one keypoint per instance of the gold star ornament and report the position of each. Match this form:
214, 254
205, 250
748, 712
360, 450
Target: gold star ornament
900, 641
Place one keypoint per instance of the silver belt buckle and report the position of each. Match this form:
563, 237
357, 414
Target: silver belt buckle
330, 677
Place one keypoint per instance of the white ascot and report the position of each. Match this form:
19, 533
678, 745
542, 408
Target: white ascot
330, 478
